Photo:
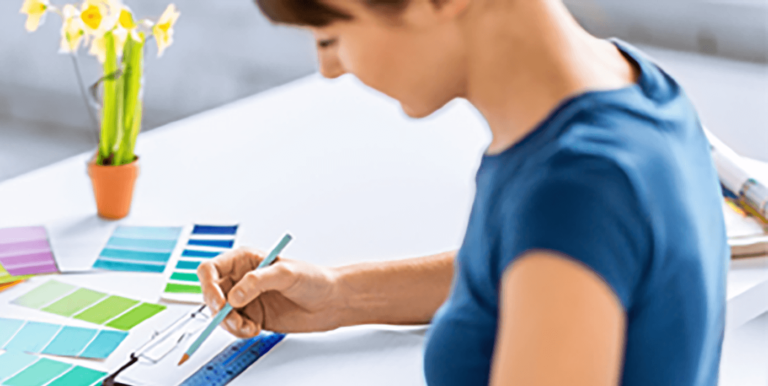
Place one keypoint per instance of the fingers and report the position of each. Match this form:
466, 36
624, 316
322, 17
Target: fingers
278, 277
240, 326
218, 275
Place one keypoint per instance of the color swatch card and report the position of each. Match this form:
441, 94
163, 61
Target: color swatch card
139, 249
25, 251
201, 243
19, 369
88, 305
57, 339
5, 286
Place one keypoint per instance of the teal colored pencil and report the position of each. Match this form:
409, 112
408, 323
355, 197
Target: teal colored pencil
228, 308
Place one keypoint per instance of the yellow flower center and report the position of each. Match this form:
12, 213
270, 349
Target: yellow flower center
92, 17
164, 27
37, 8
126, 20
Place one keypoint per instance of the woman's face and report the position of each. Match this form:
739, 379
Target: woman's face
415, 57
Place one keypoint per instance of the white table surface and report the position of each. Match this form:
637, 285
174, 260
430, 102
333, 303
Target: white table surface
339, 166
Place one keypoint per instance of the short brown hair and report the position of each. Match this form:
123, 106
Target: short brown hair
315, 13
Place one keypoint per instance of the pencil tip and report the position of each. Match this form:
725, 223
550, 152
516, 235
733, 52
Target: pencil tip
183, 359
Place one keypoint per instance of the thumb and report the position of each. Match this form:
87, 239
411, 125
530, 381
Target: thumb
277, 277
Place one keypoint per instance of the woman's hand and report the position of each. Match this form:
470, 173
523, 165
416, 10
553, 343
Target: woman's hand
287, 296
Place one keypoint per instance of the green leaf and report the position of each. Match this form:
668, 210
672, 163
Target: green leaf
111, 124
133, 61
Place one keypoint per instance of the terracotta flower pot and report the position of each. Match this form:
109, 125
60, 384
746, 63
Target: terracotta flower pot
113, 188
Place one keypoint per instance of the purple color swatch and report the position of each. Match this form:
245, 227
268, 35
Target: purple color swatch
26, 251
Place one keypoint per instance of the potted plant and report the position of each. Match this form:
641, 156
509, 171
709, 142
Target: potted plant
117, 39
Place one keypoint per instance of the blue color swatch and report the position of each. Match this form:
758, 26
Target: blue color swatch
71, 341
139, 249
203, 254
204, 243
8, 328
55, 339
104, 344
214, 230
212, 243
33, 337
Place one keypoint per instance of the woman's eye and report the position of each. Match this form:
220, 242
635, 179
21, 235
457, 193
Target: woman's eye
325, 43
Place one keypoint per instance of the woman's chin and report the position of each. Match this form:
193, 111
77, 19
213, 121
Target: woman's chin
416, 113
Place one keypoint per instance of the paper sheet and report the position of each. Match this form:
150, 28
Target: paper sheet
139, 249
88, 305
363, 355
55, 339
198, 243
25, 251
17, 369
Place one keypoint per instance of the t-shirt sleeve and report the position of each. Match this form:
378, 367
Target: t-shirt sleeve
586, 208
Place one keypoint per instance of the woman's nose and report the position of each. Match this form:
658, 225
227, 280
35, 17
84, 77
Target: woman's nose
330, 65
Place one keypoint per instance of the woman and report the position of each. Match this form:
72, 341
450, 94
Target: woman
595, 253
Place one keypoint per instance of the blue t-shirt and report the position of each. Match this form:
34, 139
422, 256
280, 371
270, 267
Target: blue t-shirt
621, 181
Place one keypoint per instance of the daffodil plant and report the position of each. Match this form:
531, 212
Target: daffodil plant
116, 38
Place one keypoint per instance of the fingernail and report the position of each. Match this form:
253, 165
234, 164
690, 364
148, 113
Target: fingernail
215, 307
238, 295
232, 325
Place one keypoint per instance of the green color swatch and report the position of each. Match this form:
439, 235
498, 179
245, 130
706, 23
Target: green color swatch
135, 316
44, 294
39, 373
74, 302
106, 309
181, 276
183, 288
78, 376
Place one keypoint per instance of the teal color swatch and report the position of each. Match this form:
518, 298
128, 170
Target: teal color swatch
40, 373
139, 244
33, 337
56, 339
79, 376
156, 233
129, 266
70, 341
11, 362
137, 256
138, 249
184, 276
104, 344
182, 264
8, 328
44, 294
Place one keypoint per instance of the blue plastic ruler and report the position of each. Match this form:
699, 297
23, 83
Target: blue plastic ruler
233, 360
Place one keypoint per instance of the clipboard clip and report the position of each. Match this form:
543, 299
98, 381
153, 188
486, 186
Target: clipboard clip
158, 346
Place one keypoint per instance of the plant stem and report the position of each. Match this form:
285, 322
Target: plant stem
133, 59
84, 95
111, 124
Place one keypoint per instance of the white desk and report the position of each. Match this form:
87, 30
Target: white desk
336, 164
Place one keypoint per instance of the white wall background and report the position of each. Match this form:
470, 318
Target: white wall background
226, 50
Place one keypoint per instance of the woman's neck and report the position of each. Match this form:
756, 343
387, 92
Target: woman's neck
525, 57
